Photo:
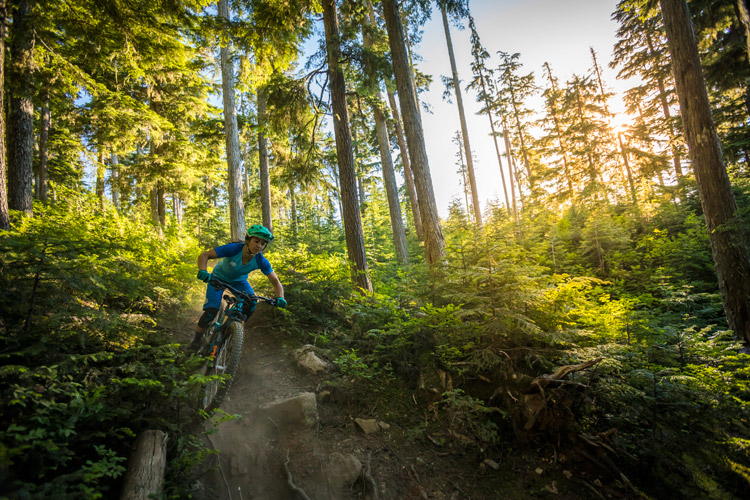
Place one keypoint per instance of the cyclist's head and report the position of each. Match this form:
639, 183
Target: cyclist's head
259, 232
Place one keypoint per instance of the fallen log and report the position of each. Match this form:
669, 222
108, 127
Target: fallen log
145, 474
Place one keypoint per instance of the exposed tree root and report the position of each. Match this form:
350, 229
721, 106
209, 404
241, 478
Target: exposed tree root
290, 481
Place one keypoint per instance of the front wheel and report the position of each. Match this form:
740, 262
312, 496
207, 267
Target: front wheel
225, 362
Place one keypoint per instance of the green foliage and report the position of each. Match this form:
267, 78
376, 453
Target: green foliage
84, 369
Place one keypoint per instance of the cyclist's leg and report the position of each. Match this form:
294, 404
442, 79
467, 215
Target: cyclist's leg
210, 308
248, 307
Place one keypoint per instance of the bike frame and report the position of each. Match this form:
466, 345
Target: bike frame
222, 349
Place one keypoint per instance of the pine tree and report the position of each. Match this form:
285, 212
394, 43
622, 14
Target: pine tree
553, 143
458, 9
514, 90
234, 177
347, 176
4, 215
728, 246
434, 242
384, 145
641, 52
21, 109
483, 83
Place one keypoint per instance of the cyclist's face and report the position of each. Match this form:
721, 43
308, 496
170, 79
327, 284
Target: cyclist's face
255, 244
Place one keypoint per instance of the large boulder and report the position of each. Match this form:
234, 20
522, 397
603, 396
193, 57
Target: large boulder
299, 411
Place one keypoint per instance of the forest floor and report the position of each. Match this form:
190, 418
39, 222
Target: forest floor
260, 457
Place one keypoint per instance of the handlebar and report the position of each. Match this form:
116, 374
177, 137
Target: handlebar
223, 285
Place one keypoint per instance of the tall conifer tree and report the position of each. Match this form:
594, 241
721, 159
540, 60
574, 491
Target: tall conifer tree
434, 241
728, 245
459, 9
352, 222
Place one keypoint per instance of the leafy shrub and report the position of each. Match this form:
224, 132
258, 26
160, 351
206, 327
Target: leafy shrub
84, 369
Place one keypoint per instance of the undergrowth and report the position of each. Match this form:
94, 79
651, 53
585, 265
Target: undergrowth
84, 366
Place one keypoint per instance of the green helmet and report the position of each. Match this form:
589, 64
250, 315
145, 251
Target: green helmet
261, 232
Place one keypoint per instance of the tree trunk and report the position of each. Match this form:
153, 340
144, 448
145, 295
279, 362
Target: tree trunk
177, 208
114, 179
676, 160
386, 162
497, 146
44, 148
21, 112
509, 154
355, 243
154, 204
234, 167
408, 175
631, 184
295, 224
100, 171
559, 131
162, 204
265, 177
144, 478
521, 140
434, 241
391, 187
4, 214
462, 118
728, 246
743, 7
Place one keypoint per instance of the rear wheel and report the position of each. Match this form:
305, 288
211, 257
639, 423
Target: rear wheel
225, 362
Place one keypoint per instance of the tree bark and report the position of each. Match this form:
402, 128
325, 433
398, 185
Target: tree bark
462, 119
114, 183
676, 159
293, 207
386, 162
408, 175
234, 167
631, 184
100, 171
4, 214
743, 7
44, 125
728, 246
21, 112
144, 478
509, 154
162, 204
265, 177
391, 188
434, 241
355, 243
154, 204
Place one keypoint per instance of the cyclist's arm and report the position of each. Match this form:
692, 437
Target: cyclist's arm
204, 257
277, 286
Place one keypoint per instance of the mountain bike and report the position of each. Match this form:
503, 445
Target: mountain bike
222, 343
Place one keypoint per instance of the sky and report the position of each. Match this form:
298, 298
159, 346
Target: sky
556, 31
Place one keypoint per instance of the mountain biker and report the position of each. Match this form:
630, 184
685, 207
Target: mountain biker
237, 261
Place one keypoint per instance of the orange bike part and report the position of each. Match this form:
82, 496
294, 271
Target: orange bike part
213, 352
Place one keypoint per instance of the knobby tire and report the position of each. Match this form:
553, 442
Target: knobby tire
226, 362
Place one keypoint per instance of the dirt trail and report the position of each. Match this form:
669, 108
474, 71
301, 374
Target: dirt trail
260, 459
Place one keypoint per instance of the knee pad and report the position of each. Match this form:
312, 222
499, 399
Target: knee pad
208, 316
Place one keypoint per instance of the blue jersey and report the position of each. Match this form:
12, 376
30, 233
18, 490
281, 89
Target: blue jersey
230, 267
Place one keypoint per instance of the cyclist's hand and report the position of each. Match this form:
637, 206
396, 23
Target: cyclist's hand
280, 302
204, 275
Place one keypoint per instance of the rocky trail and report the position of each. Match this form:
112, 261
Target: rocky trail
290, 437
